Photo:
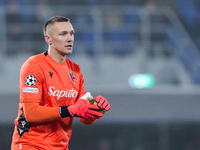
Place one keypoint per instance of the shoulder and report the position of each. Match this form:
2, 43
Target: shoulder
33, 62
35, 58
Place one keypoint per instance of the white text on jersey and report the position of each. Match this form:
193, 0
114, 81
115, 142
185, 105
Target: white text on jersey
60, 93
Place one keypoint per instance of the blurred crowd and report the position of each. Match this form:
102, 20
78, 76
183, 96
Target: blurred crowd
38, 11
189, 12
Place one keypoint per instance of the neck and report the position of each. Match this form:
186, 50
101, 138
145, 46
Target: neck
56, 56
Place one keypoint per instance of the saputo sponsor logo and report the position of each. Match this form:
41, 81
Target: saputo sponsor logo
61, 93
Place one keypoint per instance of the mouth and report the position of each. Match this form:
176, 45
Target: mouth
68, 46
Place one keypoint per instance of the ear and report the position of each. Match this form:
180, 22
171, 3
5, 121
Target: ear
48, 39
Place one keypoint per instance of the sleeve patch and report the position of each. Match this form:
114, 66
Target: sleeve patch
30, 90
31, 80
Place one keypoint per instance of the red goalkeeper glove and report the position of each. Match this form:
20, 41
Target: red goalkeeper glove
80, 109
102, 102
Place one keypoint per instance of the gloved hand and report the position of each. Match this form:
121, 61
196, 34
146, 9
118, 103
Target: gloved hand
81, 109
102, 102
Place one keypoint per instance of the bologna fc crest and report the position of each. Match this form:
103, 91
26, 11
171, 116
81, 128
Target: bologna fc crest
31, 80
72, 76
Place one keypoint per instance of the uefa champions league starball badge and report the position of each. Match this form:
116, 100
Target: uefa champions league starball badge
31, 80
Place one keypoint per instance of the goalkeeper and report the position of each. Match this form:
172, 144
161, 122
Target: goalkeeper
52, 93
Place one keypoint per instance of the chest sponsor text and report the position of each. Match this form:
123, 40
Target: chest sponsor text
62, 93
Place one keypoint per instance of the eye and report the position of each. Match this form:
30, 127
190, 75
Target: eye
72, 33
63, 33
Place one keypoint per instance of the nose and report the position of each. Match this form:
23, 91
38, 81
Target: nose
70, 38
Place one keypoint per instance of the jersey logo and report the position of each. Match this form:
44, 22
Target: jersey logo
62, 93
31, 80
72, 76
51, 74
30, 90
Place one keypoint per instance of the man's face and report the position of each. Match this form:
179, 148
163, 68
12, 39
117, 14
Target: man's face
61, 37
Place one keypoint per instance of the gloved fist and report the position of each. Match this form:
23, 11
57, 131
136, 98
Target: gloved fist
102, 102
81, 109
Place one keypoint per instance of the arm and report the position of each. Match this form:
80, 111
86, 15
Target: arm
35, 113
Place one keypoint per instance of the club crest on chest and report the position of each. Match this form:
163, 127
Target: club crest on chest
72, 76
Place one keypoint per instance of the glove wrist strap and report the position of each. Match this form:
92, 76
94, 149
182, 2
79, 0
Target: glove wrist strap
64, 112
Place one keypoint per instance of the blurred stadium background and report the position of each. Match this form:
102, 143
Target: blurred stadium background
142, 55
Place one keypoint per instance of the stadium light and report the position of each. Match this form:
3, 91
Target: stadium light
141, 81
